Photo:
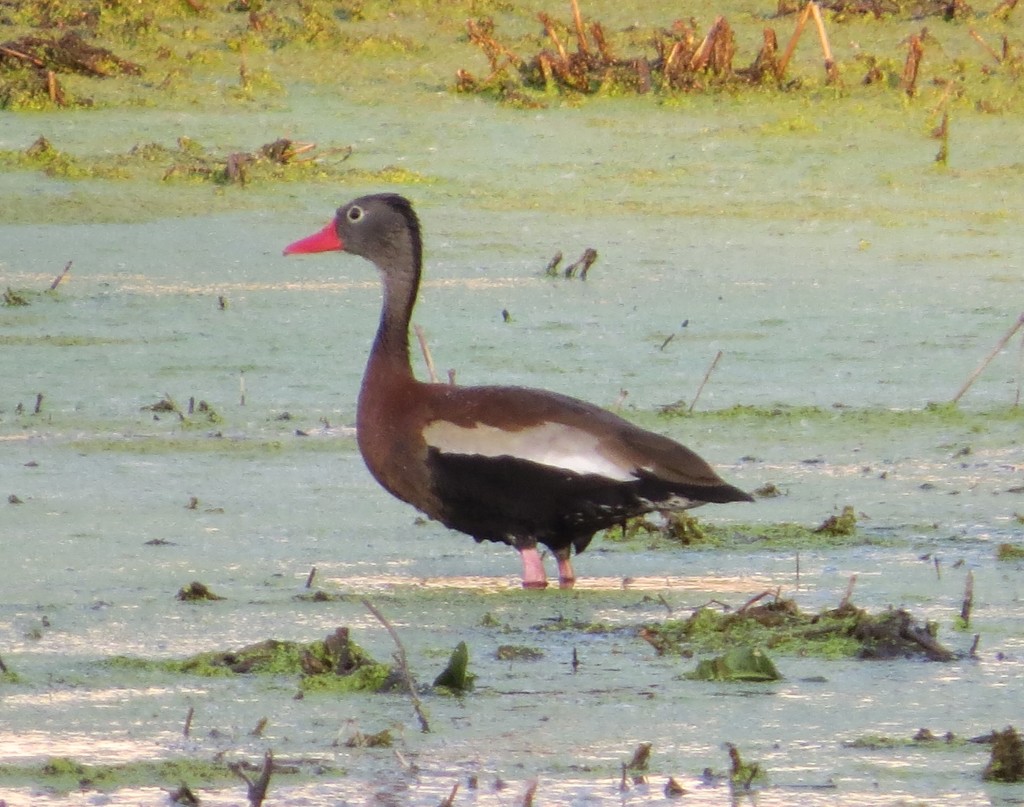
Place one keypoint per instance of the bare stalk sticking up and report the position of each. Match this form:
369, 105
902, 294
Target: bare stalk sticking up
425, 349
403, 665
707, 375
257, 789
985, 362
810, 10
60, 277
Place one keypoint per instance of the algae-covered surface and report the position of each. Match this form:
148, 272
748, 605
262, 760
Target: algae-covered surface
178, 411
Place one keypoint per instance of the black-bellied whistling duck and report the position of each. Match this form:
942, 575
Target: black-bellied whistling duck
510, 464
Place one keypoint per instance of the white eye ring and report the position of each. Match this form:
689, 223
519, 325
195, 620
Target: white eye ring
354, 213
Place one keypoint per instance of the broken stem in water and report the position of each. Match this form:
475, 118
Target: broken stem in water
968, 603
60, 277
257, 790
985, 362
848, 596
403, 665
425, 349
707, 375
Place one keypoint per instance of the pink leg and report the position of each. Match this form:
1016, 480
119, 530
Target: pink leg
566, 576
533, 569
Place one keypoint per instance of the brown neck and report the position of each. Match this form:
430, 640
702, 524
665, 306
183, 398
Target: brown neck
391, 346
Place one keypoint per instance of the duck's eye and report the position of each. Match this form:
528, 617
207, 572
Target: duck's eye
355, 213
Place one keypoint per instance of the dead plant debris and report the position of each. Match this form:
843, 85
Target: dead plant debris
1007, 761
780, 625
683, 60
195, 592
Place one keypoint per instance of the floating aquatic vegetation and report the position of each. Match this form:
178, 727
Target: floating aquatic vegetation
7, 675
923, 737
279, 159
1009, 552
66, 775
14, 298
456, 677
687, 530
333, 664
1007, 761
742, 774
196, 592
380, 739
515, 652
779, 625
843, 524
29, 67
41, 155
737, 664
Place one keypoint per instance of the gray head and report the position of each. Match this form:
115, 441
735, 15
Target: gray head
383, 228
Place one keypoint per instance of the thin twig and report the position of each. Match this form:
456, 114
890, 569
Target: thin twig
425, 349
848, 596
581, 33
791, 46
257, 790
19, 55
531, 791
985, 362
187, 728
704, 381
826, 49
756, 598
449, 800
991, 51
915, 52
60, 277
403, 665
549, 28
968, 604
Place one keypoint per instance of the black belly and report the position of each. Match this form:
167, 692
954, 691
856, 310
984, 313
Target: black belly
520, 502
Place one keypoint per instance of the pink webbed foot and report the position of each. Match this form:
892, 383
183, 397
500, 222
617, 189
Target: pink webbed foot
533, 568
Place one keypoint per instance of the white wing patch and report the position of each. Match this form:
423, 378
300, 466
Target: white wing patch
552, 444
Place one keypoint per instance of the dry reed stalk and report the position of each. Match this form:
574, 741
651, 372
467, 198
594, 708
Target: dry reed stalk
707, 375
425, 349
987, 360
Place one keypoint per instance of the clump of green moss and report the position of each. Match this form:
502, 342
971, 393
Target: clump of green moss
737, 664
517, 652
335, 664
685, 529
1009, 552
1007, 761
922, 738
743, 774
779, 625
43, 156
14, 299
196, 592
455, 677
843, 524
62, 774
379, 739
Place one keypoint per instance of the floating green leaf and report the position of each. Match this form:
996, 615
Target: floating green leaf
738, 664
